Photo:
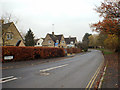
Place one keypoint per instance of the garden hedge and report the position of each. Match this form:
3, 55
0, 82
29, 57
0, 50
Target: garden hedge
28, 53
74, 50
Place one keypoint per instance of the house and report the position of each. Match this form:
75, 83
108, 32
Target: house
11, 36
38, 42
71, 41
52, 40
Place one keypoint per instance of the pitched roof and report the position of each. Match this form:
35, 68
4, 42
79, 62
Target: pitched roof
59, 37
68, 40
6, 26
35, 40
55, 37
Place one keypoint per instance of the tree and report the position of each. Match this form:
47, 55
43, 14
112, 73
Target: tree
29, 38
85, 41
8, 17
93, 40
107, 26
101, 38
111, 22
85, 38
111, 42
109, 9
80, 45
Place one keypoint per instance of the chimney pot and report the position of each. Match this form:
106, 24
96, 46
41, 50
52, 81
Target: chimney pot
52, 33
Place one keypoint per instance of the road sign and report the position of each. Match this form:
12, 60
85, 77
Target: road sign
56, 44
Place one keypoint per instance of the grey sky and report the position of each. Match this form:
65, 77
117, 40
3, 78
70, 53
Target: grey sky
70, 17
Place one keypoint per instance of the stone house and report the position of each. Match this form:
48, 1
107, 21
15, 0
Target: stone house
11, 36
71, 41
52, 40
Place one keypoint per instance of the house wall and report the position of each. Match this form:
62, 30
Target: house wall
22, 44
15, 36
39, 42
72, 45
61, 43
45, 42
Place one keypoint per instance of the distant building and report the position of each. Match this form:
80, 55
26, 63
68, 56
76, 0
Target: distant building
10, 35
38, 42
71, 41
52, 40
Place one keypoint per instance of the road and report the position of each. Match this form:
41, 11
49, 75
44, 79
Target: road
74, 72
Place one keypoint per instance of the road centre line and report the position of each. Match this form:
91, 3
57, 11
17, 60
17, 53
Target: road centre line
94, 76
6, 79
48, 69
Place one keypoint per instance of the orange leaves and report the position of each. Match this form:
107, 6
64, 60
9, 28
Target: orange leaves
27, 53
108, 26
73, 50
110, 23
108, 9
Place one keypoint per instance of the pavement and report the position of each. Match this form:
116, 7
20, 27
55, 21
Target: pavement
78, 71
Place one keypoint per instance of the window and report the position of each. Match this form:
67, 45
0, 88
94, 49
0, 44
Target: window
57, 41
49, 42
71, 42
62, 41
9, 36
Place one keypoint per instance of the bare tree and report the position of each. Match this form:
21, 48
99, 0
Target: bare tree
8, 17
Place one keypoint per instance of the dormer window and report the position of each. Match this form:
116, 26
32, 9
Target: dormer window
9, 36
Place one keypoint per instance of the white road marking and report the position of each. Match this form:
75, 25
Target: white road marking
44, 74
7, 79
44, 70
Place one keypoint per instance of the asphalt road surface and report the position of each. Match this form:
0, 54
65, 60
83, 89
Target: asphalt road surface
74, 72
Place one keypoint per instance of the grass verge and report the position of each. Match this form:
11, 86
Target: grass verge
105, 51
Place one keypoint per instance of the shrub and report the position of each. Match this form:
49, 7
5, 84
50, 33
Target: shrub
73, 50
28, 53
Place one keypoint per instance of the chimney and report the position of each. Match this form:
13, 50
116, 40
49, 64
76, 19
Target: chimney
2, 21
69, 37
52, 33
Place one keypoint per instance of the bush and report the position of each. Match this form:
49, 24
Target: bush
85, 49
28, 53
73, 50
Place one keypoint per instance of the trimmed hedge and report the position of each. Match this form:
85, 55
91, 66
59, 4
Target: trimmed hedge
74, 50
28, 53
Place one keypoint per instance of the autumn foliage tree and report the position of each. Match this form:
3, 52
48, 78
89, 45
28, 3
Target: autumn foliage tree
110, 24
93, 40
111, 42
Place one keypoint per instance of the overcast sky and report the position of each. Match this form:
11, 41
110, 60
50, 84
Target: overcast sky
70, 17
